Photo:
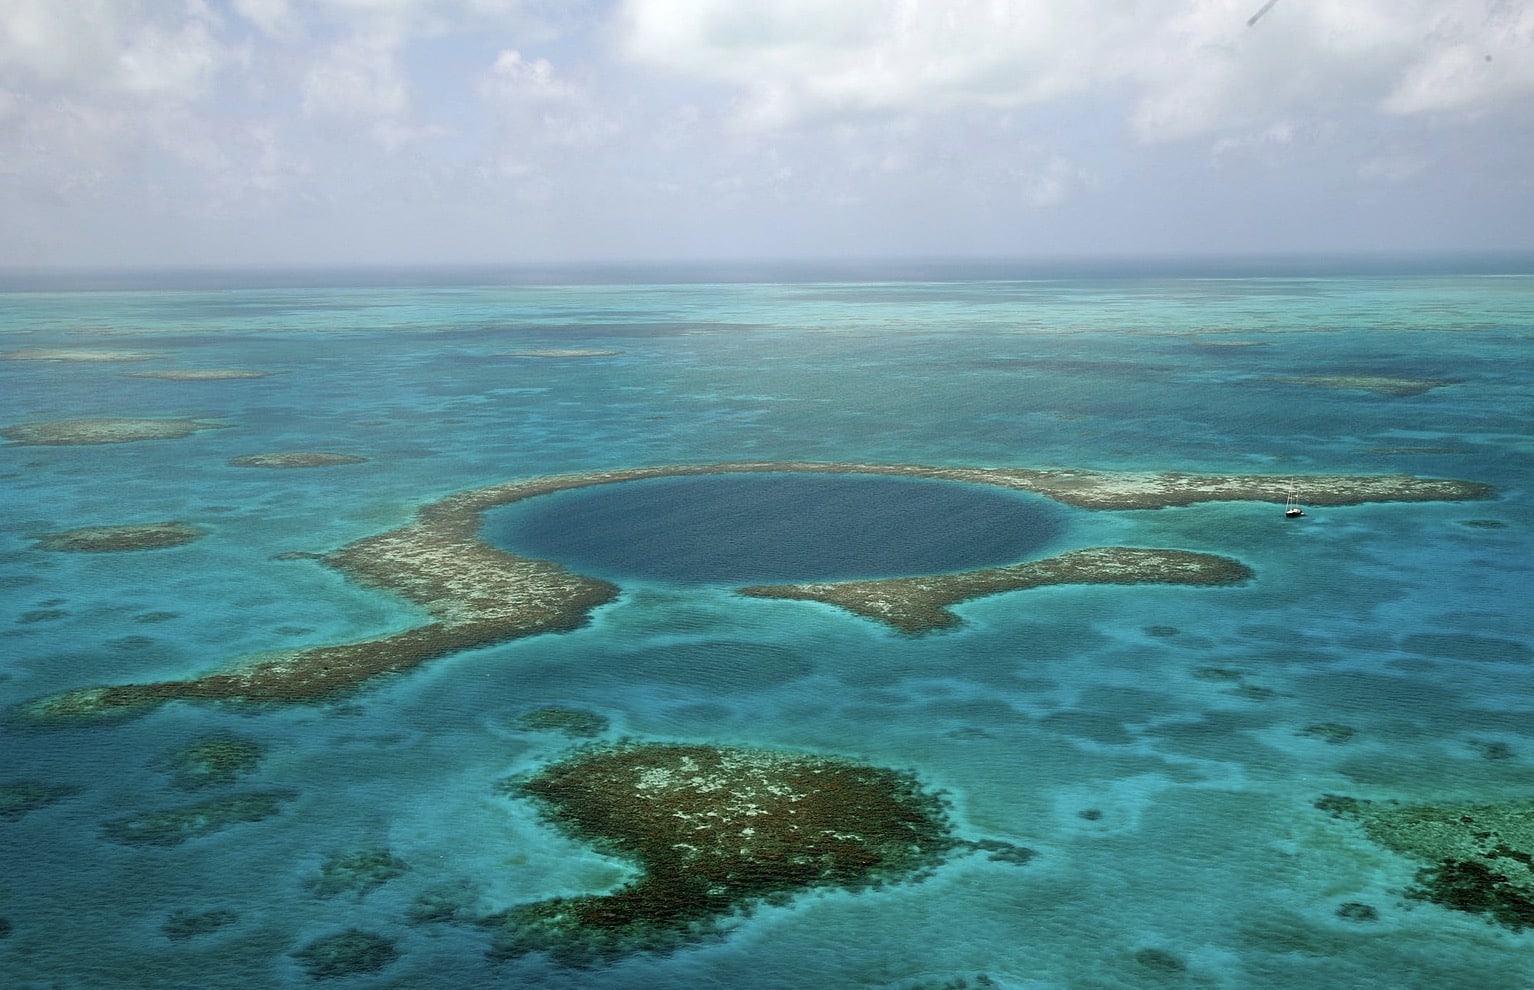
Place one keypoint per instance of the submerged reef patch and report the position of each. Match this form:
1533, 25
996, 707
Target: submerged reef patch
574, 722
346, 953
72, 354
356, 873
213, 761
112, 539
1389, 385
1479, 857
21, 797
564, 352
174, 826
476, 595
202, 374
295, 459
714, 830
71, 432
182, 925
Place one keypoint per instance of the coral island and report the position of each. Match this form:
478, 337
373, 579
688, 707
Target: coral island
111, 539
1478, 858
70, 432
714, 830
476, 595
295, 459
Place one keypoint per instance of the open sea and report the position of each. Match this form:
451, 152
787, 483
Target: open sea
1159, 749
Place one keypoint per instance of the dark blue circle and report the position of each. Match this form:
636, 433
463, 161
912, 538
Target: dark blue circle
777, 527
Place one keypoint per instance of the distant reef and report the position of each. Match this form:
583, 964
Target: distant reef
477, 595
564, 352
72, 354
1389, 385
295, 459
202, 374
70, 432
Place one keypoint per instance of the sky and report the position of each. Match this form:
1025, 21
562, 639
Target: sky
149, 133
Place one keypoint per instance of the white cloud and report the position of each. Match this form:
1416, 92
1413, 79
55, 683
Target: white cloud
1181, 69
534, 105
514, 79
358, 77
109, 46
275, 18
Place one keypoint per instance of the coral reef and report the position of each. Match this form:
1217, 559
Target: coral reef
183, 925
920, 604
1331, 732
69, 432
346, 953
1159, 960
173, 826
214, 760
451, 901
111, 539
202, 374
476, 595
1479, 857
356, 873
1390, 385
72, 354
295, 459
1357, 911
999, 851
564, 352
21, 797
714, 830
574, 722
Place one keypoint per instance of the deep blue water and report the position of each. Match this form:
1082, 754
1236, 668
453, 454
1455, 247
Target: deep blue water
1154, 746
755, 528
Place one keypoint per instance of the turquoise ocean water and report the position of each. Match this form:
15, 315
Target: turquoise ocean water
1153, 746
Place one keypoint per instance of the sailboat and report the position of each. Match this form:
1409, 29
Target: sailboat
1292, 508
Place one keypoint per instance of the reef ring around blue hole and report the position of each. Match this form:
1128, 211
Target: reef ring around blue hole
740, 528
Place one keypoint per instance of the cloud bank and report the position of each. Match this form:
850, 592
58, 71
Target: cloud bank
272, 131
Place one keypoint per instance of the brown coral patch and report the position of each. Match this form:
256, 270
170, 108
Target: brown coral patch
564, 352
1388, 385
79, 354
112, 539
714, 830
1477, 857
921, 604
295, 459
202, 374
71, 432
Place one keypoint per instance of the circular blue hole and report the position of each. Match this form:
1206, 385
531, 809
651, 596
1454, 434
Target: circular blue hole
778, 527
